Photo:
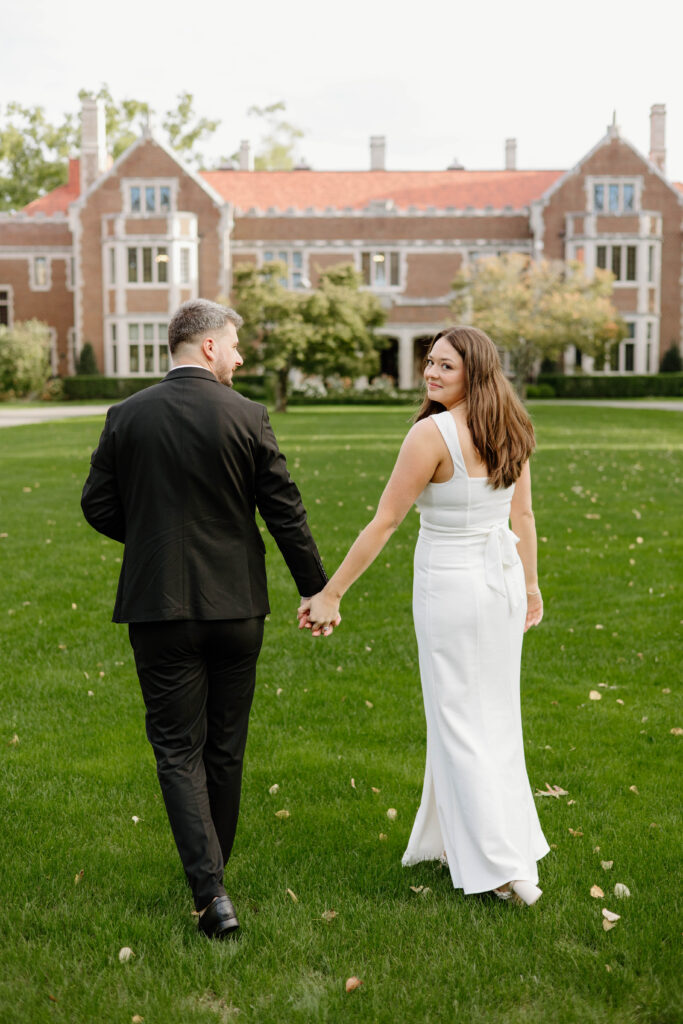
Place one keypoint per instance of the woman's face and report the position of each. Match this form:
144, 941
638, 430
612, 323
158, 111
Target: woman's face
445, 374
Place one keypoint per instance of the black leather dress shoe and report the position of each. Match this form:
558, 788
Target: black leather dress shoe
219, 920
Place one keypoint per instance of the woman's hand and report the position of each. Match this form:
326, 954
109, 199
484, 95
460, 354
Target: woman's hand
534, 609
319, 613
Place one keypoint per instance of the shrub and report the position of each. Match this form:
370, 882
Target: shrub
87, 364
671, 360
82, 388
53, 391
24, 358
626, 386
540, 391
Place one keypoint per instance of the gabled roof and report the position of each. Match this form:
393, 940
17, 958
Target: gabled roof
320, 190
58, 200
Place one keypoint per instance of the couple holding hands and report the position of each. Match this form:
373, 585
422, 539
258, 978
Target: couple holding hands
177, 475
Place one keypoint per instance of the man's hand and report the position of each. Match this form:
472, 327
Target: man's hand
319, 613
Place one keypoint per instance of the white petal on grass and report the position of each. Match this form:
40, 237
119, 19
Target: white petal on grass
293, 896
329, 915
595, 695
634, 789
606, 865
135, 819
621, 891
125, 953
392, 814
274, 789
609, 915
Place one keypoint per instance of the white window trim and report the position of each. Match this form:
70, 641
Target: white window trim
154, 246
142, 183
619, 282
10, 303
288, 250
386, 251
123, 345
620, 180
33, 285
70, 272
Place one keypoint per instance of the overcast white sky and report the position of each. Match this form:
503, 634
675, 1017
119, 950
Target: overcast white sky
439, 78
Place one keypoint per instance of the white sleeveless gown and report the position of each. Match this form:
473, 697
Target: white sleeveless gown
469, 604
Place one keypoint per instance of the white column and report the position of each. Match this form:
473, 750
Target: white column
406, 360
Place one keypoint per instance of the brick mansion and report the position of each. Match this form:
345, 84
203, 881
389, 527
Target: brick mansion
107, 257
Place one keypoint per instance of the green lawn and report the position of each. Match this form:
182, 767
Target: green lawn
76, 766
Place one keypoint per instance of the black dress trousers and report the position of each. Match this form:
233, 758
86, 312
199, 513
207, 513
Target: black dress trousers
197, 680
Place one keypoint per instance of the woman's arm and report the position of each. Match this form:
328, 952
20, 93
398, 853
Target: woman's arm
523, 524
420, 454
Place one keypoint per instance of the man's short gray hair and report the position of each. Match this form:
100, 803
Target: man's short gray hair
196, 318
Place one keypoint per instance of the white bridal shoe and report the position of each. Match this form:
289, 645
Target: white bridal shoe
521, 892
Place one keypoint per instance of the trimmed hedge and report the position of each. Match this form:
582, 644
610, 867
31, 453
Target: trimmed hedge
81, 388
626, 386
358, 398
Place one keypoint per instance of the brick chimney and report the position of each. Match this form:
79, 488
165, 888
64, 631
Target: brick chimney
658, 136
94, 160
511, 154
246, 159
378, 149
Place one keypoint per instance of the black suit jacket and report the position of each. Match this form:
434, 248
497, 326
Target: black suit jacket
177, 474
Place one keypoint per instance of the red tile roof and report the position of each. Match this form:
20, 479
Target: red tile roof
355, 189
58, 200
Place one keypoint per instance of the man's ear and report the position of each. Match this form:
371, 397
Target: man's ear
209, 348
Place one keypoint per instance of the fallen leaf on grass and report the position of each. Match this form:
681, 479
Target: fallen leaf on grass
14, 741
621, 890
274, 789
595, 695
353, 783
392, 814
576, 832
278, 691
282, 814
606, 865
369, 704
570, 802
136, 1019
79, 876
676, 731
634, 789
555, 791
609, 919
293, 896
353, 983
125, 953
135, 819
329, 915
417, 888
382, 836
375, 790
597, 893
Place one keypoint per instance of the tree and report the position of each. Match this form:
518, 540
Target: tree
326, 330
534, 309
34, 153
671, 360
24, 358
279, 142
87, 363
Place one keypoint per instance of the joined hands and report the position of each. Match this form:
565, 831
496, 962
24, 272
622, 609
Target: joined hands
319, 613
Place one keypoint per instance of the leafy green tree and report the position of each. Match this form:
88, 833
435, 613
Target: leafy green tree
24, 358
280, 139
671, 360
329, 329
534, 309
87, 363
33, 154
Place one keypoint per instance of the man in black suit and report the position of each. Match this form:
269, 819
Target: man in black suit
176, 477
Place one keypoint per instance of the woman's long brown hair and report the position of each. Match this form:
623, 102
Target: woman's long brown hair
501, 429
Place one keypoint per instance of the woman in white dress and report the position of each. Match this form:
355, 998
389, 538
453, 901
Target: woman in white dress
465, 462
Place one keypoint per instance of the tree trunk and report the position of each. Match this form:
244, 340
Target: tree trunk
281, 390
